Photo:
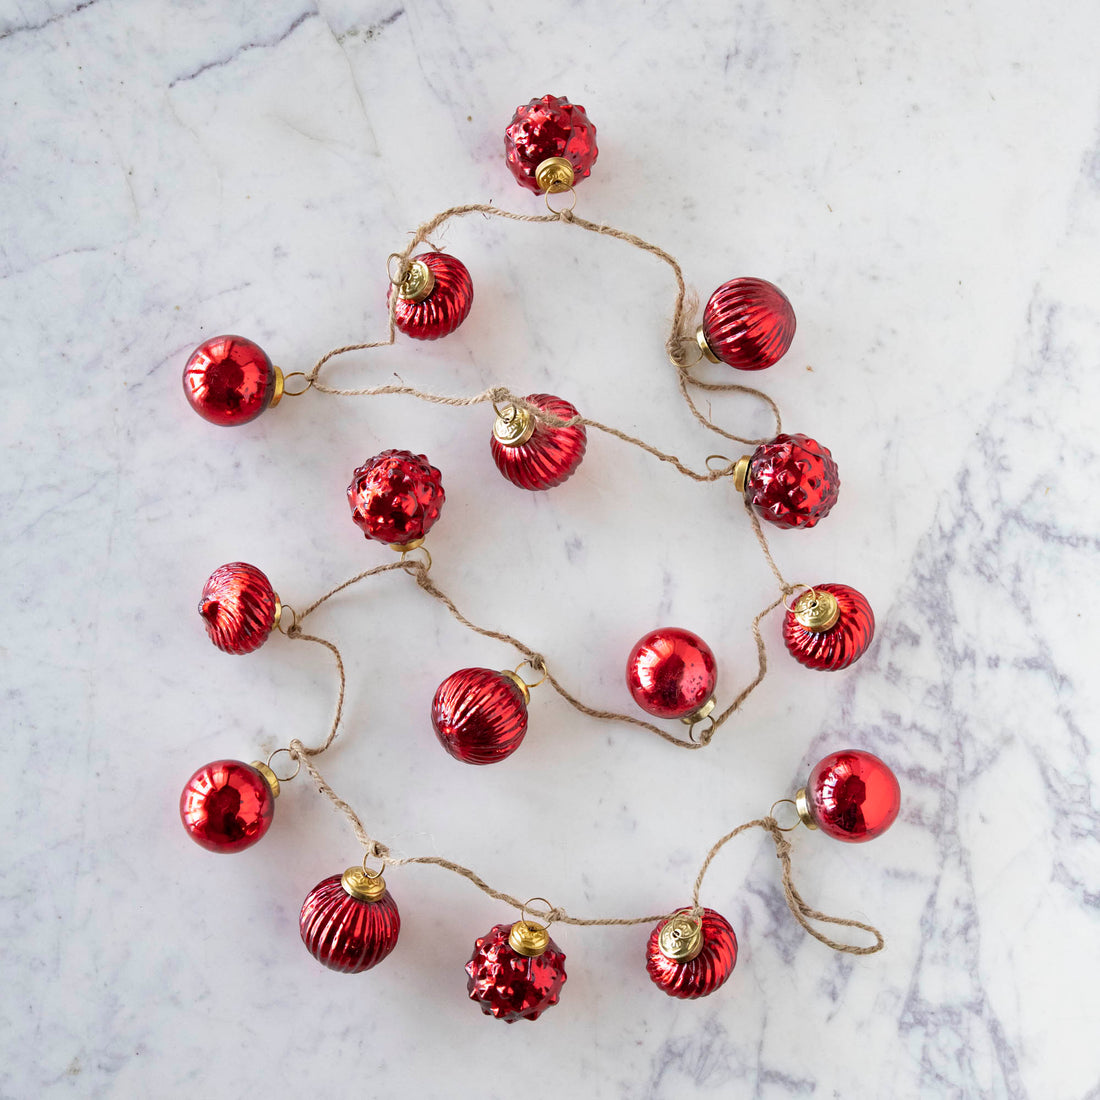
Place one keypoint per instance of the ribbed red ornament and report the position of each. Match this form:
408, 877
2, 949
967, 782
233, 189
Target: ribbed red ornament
748, 324
837, 647
396, 497
229, 380
511, 986
545, 128
671, 673
479, 715
226, 806
701, 975
238, 606
345, 933
852, 795
445, 308
548, 455
792, 481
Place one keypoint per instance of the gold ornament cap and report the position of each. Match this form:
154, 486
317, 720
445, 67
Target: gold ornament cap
704, 347
418, 282
802, 805
816, 610
701, 713
524, 689
513, 426
681, 937
405, 547
270, 778
277, 393
741, 472
363, 885
554, 174
528, 938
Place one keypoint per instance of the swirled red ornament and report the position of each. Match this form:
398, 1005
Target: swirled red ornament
534, 455
748, 324
348, 924
851, 795
672, 673
239, 607
229, 380
829, 648
706, 970
480, 715
228, 805
434, 304
396, 497
792, 481
546, 128
512, 986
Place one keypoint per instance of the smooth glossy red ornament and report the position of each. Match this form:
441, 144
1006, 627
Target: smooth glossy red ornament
534, 455
828, 627
851, 795
228, 805
748, 324
239, 607
548, 128
396, 497
792, 481
434, 298
672, 674
690, 957
350, 922
230, 380
480, 715
513, 986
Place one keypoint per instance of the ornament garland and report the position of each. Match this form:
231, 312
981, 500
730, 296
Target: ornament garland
350, 922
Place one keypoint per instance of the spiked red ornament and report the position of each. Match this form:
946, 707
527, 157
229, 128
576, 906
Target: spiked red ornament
395, 498
349, 922
829, 627
851, 795
555, 130
791, 481
434, 297
239, 607
229, 380
480, 715
671, 673
748, 324
688, 956
228, 805
516, 972
534, 455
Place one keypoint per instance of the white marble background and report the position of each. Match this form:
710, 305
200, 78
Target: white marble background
923, 181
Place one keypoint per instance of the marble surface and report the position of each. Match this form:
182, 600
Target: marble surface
923, 181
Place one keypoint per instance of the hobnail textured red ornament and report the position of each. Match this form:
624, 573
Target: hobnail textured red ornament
230, 380
534, 455
851, 795
511, 985
792, 481
434, 298
480, 715
239, 607
550, 129
396, 497
829, 627
349, 922
227, 805
690, 957
748, 324
672, 673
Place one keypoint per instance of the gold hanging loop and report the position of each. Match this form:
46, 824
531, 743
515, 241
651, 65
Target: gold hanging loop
297, 765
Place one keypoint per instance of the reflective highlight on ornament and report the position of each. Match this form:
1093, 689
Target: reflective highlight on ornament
239, 607
227, 806
229, 380
480, 715
748, 324
792, 481
346, 929
396, 497
851, 795
534, 455
450, 294
704, 971
545, 129
511, 986
672, 673
834, 647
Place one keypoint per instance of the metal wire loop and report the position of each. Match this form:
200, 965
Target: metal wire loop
297, 765
549, 909
807, 587
296, 374
531, 665
787, 802
566, 209
401, 271
427, 553
281, 623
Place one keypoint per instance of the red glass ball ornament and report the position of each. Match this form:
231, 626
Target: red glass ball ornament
480, 715
435, 303
829, 627
748, 324
512, 986
534, 455
230, 380
396, 497
226, 806
545, 128
695, 970
792, 481
349, 922
851, 795
672, 673
239, 607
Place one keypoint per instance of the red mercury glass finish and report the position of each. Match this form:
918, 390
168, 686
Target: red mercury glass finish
550, 456
671, 673
701, 975
853, 796
479, 715
549, 127
229, 380
396, 497
445, 308
345, 934
792, 481
226, 806
511, 986
844, 642
238, 606
748, 324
